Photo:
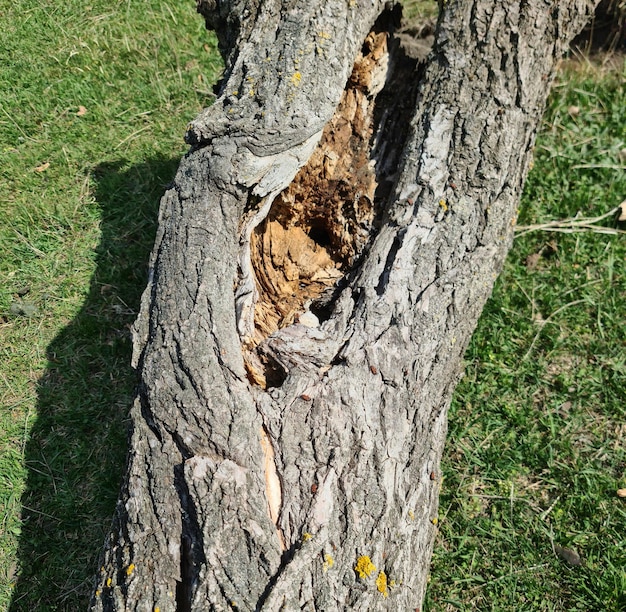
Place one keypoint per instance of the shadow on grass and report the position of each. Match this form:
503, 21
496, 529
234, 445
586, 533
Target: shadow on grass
76, 453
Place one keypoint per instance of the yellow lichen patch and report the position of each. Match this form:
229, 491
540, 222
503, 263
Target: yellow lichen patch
157, 609
306, 536
328, 562
411, 515
109, 582
296, 77
444, 205
381, 584
435, 521
364, 567
130, 569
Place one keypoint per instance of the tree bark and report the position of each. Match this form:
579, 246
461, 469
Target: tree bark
321, 261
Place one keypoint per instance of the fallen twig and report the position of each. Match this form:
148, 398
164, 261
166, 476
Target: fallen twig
573, 225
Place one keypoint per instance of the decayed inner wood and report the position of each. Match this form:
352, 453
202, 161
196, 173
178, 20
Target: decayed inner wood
319, 225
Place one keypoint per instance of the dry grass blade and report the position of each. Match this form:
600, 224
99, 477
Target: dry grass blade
574, 225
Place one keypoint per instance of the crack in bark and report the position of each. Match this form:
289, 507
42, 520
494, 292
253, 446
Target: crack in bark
273, 486
191, 538
285, 561
147, 414
383, 279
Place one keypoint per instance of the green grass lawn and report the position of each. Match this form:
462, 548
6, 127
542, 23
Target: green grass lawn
94, 99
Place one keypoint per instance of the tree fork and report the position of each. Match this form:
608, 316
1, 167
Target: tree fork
299, 340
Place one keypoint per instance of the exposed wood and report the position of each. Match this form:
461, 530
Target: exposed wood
288, 424
319, 225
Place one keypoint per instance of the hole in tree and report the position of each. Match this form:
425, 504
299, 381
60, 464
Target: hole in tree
320, 236
322, 224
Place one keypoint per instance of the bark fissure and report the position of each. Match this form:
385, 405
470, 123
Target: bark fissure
286, 559
191, 544
273, 485
391, 256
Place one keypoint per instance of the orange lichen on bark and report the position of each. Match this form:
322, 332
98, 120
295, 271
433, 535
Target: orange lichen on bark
381, 584
364, 567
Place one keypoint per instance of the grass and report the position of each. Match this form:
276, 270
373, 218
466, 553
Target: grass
419, 10
536, 445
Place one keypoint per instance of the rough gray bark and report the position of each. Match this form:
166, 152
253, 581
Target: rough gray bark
255, 492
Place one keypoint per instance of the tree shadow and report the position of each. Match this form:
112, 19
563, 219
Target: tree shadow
76, 453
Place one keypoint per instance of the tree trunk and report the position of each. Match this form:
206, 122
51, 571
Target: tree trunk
321, 261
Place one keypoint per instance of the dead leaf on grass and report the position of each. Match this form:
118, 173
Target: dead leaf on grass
573, 111
548, 250
532, 261
621, 211
621, 492
43, 167
81, 111
568, 554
